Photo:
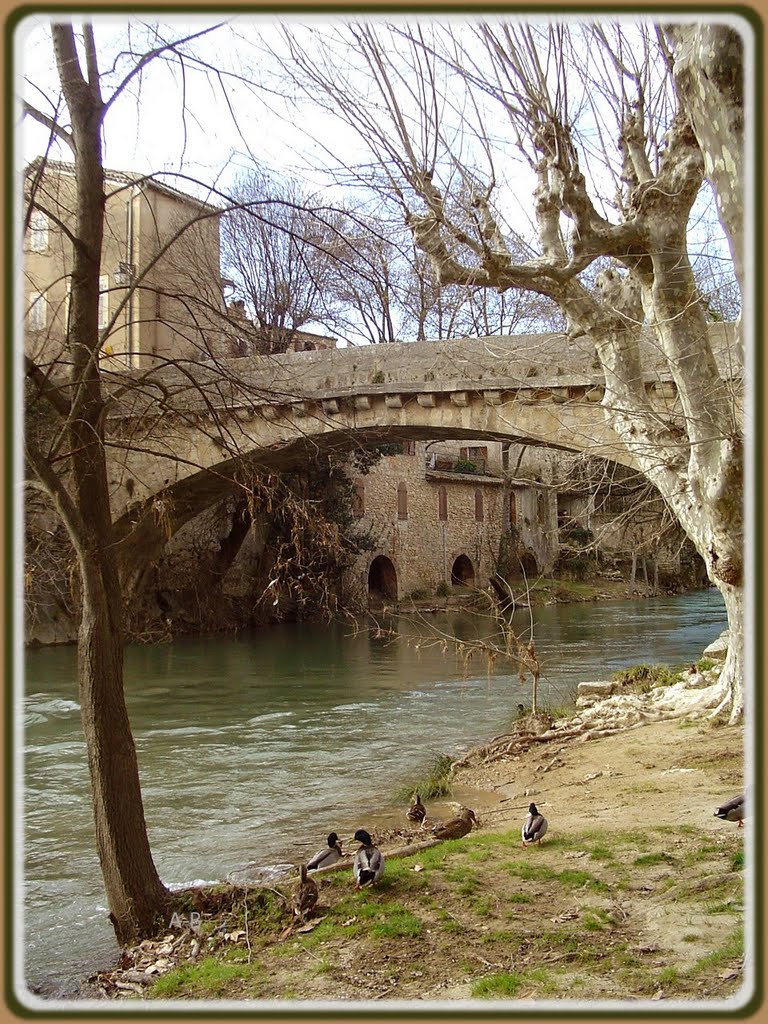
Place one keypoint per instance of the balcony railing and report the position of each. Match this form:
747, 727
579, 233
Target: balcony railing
455, 464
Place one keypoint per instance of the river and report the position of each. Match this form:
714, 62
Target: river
253, 747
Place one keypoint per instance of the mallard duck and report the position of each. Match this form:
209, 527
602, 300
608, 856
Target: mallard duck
305, 897
733, 810
456, 827
368, 866
324, 858
535, 826
417, 811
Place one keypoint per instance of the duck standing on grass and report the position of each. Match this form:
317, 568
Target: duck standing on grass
417, 812
733, 810
305, 898
535, 826
324, 858
368, 866
456, 827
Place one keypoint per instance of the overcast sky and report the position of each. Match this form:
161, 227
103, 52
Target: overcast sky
225, 110
198, 123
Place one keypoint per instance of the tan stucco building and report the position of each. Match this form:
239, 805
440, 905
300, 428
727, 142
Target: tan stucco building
161, 295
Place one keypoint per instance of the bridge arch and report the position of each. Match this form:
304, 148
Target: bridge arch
462, 572
382, 578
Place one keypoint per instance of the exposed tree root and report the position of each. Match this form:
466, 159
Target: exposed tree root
693, 695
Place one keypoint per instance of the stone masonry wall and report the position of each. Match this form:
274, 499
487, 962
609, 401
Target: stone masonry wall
423, 548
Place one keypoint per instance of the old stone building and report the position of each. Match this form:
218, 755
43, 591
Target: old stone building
437, 512
454, 514
160, 284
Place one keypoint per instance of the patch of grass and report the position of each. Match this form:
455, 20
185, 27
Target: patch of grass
737, 861
732, 949
704, 663
450, 924
330, 929
529, 871
642, 678
501, 985
210, 977
668, 976
701, 853
519, 897
467, 880
573, 878
558, 711
619, 838
601, 853
482, 906
542, 979
728, 907
399, 923
649, 859
432, 782
691, 937
576, 879
596, 919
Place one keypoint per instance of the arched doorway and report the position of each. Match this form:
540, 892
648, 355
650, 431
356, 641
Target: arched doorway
462, 572
528, 564
382, 578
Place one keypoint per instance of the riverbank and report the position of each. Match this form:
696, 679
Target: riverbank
636, 893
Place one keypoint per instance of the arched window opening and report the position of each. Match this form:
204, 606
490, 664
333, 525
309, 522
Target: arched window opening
528, 565
442, 504
479, 510
541, 508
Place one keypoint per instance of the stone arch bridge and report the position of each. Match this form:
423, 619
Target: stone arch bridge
179, 436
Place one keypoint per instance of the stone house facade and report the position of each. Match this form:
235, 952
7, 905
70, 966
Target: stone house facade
437, 513
161, 294
456, 513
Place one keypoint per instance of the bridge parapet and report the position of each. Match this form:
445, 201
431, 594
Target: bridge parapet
536, 367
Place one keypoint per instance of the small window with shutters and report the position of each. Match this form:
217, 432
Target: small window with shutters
38, 231
442, 504
37, 311
512, 509
402, 501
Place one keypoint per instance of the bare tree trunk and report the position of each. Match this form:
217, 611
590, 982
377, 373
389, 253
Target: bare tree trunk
135, 893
